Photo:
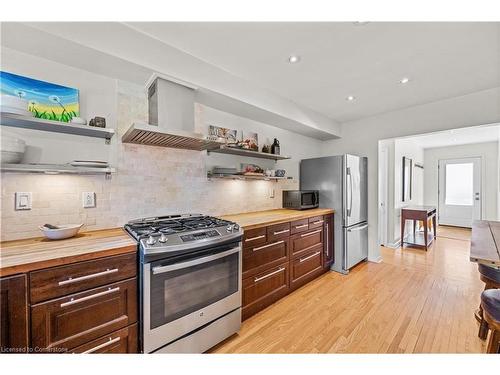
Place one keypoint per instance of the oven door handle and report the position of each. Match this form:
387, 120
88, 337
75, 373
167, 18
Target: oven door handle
178, 266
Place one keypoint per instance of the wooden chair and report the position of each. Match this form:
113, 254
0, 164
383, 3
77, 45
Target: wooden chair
491, 278
490, 302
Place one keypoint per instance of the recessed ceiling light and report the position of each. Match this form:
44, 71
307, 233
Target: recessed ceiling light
360, 23
404, 80
350, 98
294, 59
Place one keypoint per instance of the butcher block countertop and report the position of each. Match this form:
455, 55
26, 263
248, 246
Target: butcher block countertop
36, 253
252, 220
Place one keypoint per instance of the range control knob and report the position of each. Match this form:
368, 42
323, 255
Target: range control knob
151, 240
163, 238
230, 227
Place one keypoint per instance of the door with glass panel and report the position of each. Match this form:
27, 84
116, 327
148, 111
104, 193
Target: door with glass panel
459, 191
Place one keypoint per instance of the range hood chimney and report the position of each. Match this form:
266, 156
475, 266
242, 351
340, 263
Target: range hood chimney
171, 119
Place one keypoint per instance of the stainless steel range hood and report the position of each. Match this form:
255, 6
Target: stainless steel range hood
171, 119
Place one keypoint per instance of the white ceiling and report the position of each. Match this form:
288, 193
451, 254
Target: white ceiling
442, 59
462, 136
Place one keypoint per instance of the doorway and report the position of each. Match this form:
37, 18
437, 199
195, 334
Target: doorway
459, 191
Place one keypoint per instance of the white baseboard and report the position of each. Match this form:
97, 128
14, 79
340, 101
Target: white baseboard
393, 245
375, 260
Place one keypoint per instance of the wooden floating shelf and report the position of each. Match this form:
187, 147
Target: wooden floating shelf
245, 177
54, 169
18, 121
243, 152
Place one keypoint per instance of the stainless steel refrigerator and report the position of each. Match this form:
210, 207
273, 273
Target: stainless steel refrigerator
342, 183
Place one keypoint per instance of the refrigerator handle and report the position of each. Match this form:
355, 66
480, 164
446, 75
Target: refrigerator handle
349, 191
357, 228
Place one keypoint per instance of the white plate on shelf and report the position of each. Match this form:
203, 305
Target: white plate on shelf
90, 163
16, 111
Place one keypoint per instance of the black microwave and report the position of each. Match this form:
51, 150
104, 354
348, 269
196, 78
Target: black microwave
300, 199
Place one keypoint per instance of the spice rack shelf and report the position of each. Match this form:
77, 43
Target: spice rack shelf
249, 153
19, 121
55, 169
245, 177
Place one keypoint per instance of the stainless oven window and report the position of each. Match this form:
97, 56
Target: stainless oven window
177, 293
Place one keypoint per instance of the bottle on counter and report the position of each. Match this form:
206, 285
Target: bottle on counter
275, 147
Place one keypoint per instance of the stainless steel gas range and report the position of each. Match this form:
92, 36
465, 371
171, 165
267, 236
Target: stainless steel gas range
190, 275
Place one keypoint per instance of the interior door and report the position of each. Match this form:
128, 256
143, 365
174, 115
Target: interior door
356, 174
459, 191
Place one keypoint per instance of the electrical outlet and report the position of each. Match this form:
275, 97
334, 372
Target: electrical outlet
88, 199
271, 193
23, 201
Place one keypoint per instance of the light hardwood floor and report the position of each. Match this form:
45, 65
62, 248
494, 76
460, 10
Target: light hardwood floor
412, 302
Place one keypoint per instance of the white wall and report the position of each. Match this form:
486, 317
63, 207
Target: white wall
149, 180
361, 137
488, 152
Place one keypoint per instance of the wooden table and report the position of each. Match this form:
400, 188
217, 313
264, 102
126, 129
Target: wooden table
485, 243
423, 214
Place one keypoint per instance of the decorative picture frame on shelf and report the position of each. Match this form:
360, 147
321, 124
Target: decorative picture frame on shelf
223, 135
44, 100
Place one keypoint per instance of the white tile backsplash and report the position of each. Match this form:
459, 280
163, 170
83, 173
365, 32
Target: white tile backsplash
149, 181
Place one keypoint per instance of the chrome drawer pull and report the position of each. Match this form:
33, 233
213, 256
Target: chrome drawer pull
282, 231
255, 238
83, 299
268, 275
86, 277
318, 222
309, 257
268, 245
310, 233
327, 241
103, 345
301, 226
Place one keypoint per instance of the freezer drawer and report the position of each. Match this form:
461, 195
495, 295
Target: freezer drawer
355, 244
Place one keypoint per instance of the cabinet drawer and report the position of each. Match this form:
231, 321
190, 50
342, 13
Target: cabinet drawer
60, 281
305, 267
316, 222
265, 288
278, 231
74, 320
302, 242
257, 257
299, 226
254, 237
122, 341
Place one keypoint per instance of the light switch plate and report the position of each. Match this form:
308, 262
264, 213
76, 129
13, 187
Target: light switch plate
88, 199
23, 201
271, 193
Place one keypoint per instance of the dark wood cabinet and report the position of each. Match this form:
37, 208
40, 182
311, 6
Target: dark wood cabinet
299, 226
265, 288
282, 257
278, 231
255, 237
14, 314
306, 267
328, 256
258, 258
119, 342
60, 281
316, 222
301, 243
76, 319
